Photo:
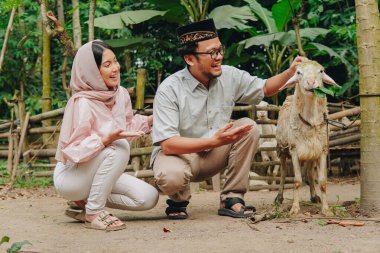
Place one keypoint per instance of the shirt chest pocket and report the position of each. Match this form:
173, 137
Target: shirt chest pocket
223, 114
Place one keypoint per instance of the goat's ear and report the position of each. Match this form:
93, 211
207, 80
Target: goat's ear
291, 82
328, 80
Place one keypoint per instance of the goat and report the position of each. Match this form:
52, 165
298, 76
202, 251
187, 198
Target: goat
268, 129
302, 132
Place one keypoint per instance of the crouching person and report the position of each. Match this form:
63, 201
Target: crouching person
93, 149
192, 132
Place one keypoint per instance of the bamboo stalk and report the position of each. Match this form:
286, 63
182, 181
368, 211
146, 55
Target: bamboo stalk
265, 164
140, 89
10, 151
345, 113
8, 31
47, 129
345, 140
18, 152
6, 125
51, 152
4, 135
269, 187
349, 125
341, 133
47, 115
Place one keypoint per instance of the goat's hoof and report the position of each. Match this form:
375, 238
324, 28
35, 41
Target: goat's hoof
279, 199
327, 212
315, 199
294, 211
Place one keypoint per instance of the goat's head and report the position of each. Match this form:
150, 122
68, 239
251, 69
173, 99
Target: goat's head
309, 75
262, 114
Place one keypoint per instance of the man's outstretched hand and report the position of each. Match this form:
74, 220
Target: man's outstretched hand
227, 134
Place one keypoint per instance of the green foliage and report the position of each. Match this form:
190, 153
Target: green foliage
230, 17
15, 247
283, 11
4, 239
24, 180
259, 38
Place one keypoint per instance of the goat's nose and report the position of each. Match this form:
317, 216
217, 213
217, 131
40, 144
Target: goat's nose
311, 82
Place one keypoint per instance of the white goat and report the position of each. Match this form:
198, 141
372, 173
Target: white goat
268, 129
301, 132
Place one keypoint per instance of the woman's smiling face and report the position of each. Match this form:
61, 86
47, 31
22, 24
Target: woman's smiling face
110, 69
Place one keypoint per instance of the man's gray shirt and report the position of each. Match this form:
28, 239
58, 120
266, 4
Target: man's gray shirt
184, 107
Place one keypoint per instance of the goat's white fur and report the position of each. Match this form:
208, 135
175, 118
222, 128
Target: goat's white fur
301, 132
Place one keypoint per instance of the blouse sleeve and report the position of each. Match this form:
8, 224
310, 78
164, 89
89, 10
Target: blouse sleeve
84, 143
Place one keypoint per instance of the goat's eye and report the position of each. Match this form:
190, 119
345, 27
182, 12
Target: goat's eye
321, 71
298, 72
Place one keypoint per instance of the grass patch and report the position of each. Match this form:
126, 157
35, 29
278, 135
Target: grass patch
25, 178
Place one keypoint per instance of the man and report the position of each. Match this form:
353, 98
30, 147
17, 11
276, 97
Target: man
191, 130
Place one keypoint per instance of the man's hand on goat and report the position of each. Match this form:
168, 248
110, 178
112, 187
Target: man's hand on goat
227, 134
296, 61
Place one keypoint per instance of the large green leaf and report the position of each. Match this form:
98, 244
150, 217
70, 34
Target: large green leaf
285, 38
122, 19
282, 12
330, 51
264, 15
230, 17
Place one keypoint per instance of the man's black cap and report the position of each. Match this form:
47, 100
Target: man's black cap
202, 30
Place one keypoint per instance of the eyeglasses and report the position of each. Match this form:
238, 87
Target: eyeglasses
213, 53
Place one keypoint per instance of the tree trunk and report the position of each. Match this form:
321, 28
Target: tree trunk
9, 28
60, 10
46, 85
91, 16
76, 25
368, 34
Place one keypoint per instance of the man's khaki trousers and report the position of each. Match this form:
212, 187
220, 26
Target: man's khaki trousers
173, 173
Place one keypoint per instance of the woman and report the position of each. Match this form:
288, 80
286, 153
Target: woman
93, 151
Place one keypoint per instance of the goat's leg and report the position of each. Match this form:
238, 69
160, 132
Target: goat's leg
274, 168
280, 196
297, 184
323, 184
310, 169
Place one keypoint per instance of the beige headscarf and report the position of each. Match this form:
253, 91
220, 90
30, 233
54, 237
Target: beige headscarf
86, 82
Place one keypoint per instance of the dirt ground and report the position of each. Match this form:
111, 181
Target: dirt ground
37, 216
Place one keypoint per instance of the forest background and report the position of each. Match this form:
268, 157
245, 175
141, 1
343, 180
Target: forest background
258, 36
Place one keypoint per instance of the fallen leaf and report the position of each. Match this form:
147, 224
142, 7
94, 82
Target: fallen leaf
166, 230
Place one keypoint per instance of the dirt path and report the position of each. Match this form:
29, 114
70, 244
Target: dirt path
38, 217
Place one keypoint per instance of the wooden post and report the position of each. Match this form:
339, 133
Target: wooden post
140, 89
19, 148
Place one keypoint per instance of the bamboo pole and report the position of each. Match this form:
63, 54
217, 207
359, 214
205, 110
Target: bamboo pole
269, 187
345, 140
47, 115
47, 129
9, 29
140, 89
19, 149
345, 113
10, 150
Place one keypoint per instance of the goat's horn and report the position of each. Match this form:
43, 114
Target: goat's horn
328, 80
291, 82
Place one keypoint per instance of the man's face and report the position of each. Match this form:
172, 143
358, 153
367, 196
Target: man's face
204, 66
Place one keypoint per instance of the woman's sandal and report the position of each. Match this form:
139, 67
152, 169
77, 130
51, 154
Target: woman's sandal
176, 210
228, 211
103, 222
76, 215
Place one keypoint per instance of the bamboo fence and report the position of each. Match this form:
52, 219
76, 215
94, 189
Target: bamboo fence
20, 147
